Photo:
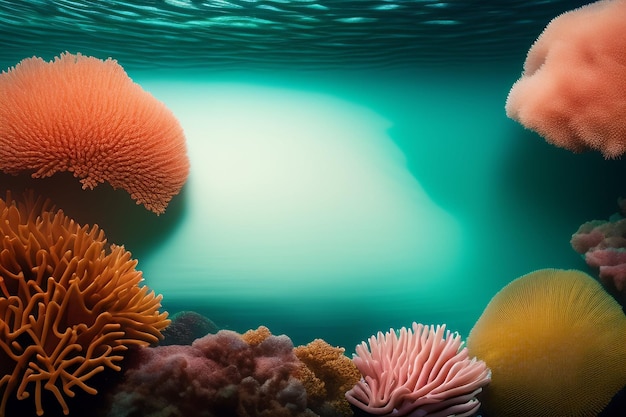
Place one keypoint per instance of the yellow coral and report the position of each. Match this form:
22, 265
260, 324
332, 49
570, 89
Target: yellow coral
556, 344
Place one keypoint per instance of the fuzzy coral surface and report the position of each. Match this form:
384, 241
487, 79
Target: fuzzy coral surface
572, 89
85, 115
218, 375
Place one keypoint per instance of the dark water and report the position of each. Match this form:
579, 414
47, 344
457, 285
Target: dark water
277, 34
352, 165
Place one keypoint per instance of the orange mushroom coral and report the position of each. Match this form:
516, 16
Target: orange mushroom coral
556, 344
69, 305
85, 115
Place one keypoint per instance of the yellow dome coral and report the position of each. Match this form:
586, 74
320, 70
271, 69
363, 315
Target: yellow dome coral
556, 344
69, 305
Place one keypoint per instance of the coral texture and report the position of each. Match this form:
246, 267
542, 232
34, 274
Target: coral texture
424, 371
603, 245
327, 373
556, 344
85, 115
254, 337
70, 306
572, 89
218, 375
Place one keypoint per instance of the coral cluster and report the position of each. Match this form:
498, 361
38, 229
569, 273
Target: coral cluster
420, 372
603, 244
70, 305
572, 89
556, 344
327, 375
86, 116
217, 375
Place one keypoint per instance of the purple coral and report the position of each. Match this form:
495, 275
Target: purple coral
603, 245
218, 375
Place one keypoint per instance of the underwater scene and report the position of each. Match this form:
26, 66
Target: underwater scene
312, 208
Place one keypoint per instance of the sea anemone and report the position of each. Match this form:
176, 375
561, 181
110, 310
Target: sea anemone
70, 306
85, 115
556, 344
423, 372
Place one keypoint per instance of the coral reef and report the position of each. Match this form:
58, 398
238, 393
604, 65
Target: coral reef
218, 375
70, 306
327, 375
556, 344
603, 245
424, 371
572, 89
185, 327
86, 116
254, 337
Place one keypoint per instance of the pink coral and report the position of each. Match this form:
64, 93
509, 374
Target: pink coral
603, 245
218, 375
572, 88
424, 372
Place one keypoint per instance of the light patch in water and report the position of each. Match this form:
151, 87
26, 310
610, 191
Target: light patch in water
293, 192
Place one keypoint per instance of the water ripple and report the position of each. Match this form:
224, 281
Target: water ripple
274, 33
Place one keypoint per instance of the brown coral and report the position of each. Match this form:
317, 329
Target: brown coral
85, 115
69, 305
327, 377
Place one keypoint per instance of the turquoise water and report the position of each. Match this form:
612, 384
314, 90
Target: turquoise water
352, 167
418, 199
284, 249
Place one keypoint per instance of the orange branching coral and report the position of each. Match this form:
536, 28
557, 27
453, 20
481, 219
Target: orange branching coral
328, 376
69, 305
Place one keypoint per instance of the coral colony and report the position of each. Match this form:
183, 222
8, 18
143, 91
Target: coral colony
421, 371
72, 305
603, 245
571, 91
530, 336
102, 127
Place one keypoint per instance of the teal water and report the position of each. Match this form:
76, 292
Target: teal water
418, 200
275, 34
352, 167
337, 188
